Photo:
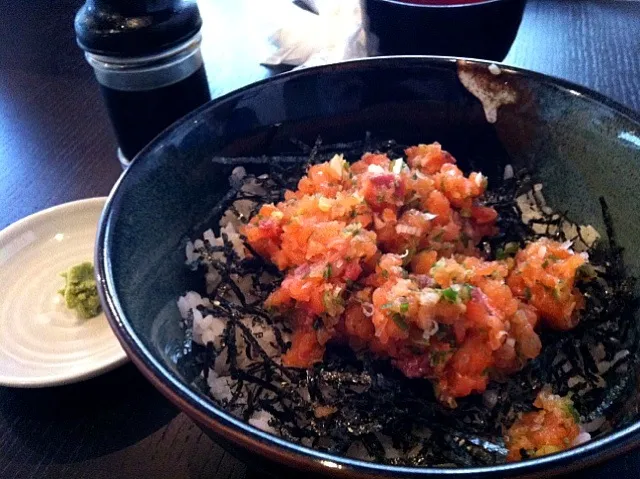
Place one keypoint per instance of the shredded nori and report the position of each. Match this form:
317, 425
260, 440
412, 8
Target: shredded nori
368, 402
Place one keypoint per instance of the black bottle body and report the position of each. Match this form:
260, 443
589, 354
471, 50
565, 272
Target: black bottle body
146, 58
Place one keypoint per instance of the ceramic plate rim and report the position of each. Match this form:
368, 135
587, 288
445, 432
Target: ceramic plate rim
64, 378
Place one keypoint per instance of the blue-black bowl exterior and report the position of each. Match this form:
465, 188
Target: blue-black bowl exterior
580, 142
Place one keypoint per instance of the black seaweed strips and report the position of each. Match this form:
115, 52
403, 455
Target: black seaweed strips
351, 399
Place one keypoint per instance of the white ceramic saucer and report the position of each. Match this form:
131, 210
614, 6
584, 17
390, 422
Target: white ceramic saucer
42, 343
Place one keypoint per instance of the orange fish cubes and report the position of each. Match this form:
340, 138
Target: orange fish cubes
383, 255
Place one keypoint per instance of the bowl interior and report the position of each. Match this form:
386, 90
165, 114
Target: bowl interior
577, 144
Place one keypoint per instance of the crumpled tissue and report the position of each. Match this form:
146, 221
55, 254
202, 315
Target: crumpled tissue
334, 33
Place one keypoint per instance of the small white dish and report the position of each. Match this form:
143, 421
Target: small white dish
42, 343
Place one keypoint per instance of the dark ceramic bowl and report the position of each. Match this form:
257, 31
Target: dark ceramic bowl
484, 29
580, 145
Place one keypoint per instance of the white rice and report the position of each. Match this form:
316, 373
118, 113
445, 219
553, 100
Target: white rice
209, 329
260, 419
533, 207
219, 386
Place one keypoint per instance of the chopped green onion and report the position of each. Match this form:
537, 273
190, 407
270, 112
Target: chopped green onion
465, 292
399, 320
450, 295
438, 357
439, 264
586, 272
527, 293
404, 307
326, 300
327, 271
571, 410
511, 248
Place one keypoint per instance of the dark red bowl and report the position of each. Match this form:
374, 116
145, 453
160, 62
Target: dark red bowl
466, 28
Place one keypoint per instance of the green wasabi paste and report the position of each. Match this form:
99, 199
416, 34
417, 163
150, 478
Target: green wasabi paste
80, 292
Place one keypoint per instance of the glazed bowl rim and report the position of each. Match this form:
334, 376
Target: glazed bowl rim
207, 414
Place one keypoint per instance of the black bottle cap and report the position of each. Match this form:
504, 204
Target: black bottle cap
134, 28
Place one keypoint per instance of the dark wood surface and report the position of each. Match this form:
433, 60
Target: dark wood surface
56, 145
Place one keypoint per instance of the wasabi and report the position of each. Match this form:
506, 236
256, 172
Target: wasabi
80, 291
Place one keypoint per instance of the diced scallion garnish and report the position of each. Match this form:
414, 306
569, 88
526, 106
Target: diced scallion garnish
438, 357
571, 410
400, 322
439, 264
450, 295
465, 292
404, 307
510, 249
586, 272
327, 271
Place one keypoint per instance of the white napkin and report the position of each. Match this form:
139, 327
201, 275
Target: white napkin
334, 33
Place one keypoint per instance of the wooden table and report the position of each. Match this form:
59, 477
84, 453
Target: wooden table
56, 145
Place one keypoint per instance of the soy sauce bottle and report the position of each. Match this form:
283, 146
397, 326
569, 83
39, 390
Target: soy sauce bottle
146, 57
